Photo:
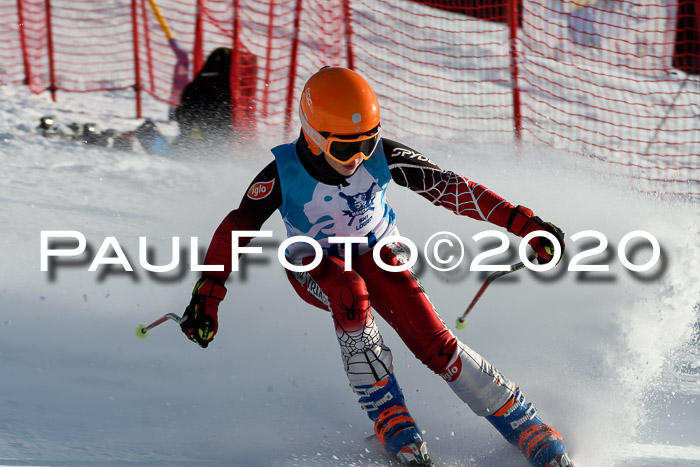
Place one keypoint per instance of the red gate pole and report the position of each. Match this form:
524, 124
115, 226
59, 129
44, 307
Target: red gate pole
347, 17
268, 55
293, 69
198, 52
235, 69
137, 64
513, 26
149, 50
49, 35
23, 43
697, 32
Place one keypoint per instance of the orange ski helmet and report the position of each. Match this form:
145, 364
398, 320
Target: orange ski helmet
339, 114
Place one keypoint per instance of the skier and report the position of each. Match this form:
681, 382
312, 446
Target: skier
331, 182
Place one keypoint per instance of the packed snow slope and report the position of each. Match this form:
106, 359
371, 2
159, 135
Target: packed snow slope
608, 357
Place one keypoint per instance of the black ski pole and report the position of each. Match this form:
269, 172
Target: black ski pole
461, 323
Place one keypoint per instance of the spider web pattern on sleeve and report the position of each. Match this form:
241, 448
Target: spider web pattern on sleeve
454, 192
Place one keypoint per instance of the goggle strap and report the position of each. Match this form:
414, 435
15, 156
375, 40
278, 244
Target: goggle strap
325, 145
316, 137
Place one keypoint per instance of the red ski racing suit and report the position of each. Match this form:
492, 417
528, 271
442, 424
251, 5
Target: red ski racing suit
318, 202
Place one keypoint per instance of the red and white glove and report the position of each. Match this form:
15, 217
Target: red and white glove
522, 221
200, 321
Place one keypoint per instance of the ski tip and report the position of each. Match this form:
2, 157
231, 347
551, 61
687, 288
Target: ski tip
142, 332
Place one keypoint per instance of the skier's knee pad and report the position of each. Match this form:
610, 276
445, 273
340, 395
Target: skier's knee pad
349, 302
476, 381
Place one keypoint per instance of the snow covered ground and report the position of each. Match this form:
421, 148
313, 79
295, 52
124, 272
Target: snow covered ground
610, 359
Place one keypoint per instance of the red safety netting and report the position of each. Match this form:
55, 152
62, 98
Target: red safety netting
77, 46
615, 80
437, 71
11, 57
165, 51
597, 78
279, 45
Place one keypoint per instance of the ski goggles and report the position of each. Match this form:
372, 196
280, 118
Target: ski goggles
343, 148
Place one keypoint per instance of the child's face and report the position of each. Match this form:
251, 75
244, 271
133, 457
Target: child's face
344, 169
